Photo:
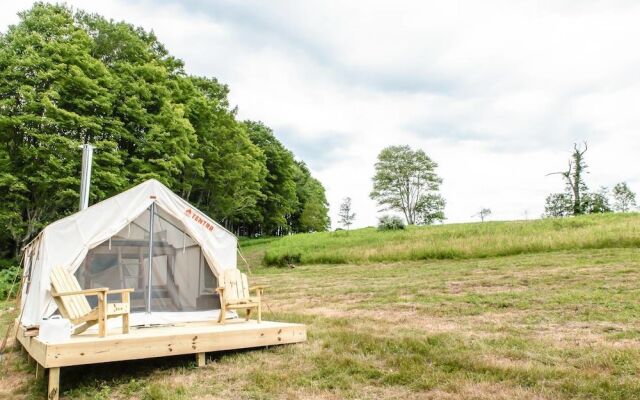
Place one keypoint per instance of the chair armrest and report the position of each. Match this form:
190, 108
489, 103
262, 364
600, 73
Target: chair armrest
120, 291
86, 292
258, 289
124, 294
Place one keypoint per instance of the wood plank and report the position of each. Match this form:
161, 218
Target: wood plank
34, 348
102, 319
53, 392
81, 302
167, 341
201, 359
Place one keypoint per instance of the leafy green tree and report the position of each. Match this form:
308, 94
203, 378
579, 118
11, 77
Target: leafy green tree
406, 181
279, 200
597, 202
558, 205
624, 199
53, 97
235, 168
312, 212
152, 122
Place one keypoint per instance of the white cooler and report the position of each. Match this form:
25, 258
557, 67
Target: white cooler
55, 329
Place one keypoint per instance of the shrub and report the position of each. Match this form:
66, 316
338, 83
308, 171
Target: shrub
281, 260
390, 223
9, 278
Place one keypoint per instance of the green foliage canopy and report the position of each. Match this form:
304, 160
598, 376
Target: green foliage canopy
71, 78
406, 181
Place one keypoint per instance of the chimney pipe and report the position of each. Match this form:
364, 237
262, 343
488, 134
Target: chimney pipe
85, 182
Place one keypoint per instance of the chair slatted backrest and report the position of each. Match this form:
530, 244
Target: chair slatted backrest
235, 285
74, 306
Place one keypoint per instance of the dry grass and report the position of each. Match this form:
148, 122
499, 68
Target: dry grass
554, 326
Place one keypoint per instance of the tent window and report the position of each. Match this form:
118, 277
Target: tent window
179, 271
208, 282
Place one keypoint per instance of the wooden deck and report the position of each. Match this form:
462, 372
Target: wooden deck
186, 338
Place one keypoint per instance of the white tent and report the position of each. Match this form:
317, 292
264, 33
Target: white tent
145, 234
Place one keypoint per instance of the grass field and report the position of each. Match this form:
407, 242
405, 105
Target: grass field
559, 324
458, 241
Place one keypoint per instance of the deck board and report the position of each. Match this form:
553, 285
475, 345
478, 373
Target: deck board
180, 339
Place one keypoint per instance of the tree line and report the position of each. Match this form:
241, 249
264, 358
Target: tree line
68, 77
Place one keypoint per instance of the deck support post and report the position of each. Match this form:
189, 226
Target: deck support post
39, 370
53, 393
201, 359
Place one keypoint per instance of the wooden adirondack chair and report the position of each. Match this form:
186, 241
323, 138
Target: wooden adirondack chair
73, 305
234, 294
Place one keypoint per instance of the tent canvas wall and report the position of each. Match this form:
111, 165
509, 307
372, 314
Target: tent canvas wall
145, 234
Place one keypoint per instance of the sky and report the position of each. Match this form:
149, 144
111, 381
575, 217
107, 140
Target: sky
496, 92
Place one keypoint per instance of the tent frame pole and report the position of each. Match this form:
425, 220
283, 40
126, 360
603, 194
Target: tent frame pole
152, 211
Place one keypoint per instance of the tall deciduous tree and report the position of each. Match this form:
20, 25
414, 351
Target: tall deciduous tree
624, 199
312, 211
279, 200
235, 167
54, 96
406, 181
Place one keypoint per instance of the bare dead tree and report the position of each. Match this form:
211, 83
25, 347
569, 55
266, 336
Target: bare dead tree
574, 176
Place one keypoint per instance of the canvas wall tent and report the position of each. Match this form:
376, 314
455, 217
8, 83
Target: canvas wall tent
145, 234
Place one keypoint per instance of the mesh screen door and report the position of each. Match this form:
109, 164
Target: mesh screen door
181, 279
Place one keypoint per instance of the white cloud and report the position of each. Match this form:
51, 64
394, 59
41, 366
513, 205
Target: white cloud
496, 92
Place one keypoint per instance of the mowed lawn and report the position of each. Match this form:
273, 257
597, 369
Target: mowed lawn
558, 325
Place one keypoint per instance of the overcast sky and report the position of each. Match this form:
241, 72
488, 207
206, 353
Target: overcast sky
496, 92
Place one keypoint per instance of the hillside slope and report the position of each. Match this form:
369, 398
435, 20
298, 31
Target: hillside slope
454, 241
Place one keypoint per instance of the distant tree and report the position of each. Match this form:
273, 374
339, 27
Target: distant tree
345, 214
484, 213
623, 198
596, 202
574, 178
558, 205
406, 181
390, 223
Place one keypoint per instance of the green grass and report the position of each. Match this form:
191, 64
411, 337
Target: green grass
549, 324
456, 241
